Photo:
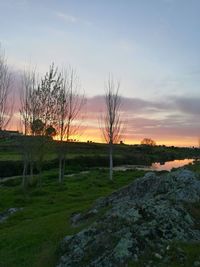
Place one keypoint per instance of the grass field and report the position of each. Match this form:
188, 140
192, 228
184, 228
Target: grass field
31, 237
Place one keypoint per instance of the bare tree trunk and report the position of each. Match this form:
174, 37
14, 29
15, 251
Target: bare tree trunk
111, 160
63, 168
112, 121
31, 169
60, 170
24, 177
62, 161
69, 105
40, 177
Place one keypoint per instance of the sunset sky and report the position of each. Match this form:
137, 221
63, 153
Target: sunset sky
151, 46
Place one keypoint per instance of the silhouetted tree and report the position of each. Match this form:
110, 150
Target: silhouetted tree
28, 100
38, 112
112, 124
6, 107
50, 131
28, 107
69, 104
148, 142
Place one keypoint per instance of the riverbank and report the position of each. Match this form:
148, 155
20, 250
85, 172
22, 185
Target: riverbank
31, 237
81, 156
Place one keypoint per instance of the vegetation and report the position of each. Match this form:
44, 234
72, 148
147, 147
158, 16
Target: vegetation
87, 155
31, 237
148, 142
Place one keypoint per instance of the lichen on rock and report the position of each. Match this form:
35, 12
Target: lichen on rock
145, 215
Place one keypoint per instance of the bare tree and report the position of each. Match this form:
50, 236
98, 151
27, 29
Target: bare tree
6, 110
112, 123
28, 102
44, 119
38, 114
69, 105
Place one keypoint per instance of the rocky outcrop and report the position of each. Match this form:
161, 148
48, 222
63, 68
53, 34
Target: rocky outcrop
146, 215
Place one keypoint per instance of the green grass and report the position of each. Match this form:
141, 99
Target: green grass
31, 237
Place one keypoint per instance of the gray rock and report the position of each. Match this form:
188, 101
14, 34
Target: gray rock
158, 256
6, 214
75, 218
146, 214
196, 264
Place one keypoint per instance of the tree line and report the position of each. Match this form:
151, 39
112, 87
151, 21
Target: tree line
51, 106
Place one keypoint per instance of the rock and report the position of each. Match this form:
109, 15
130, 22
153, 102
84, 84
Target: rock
75, 218
196, 264
6, 214
145, 215
158, 256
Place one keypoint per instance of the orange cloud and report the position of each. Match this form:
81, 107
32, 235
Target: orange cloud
168, 121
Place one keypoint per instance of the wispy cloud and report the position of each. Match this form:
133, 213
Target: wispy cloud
68, 18
15, 3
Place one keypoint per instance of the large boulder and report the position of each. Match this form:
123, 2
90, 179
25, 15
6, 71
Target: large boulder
146, 214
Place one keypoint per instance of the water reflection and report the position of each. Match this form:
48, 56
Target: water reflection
168, 165
157, 166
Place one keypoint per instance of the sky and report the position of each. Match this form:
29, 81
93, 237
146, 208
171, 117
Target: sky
150, 46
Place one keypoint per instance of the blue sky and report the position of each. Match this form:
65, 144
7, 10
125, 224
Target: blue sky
151, 46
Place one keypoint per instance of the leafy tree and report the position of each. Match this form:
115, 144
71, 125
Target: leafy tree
50, 131
37, 127
148, 142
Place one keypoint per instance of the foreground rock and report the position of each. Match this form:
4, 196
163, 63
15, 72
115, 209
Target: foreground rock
6, 214
144, 216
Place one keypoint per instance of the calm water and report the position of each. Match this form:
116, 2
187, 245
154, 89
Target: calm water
167, 166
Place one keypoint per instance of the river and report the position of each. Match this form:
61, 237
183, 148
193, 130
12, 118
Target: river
156, 166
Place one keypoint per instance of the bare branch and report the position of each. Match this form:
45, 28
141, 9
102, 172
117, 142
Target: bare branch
70, 103
6, 110
112, 124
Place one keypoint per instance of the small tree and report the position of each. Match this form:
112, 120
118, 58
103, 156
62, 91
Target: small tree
37, 127
28, 110
69, 105
112, 123
38, 112
148, 142
45, 115
28, 100
6, 110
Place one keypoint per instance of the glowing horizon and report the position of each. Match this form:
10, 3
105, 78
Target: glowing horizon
151, 47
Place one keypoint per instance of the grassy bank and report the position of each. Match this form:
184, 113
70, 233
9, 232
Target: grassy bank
31, 237
88, 155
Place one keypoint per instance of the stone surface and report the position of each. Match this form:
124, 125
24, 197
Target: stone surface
6, 214
146, 215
